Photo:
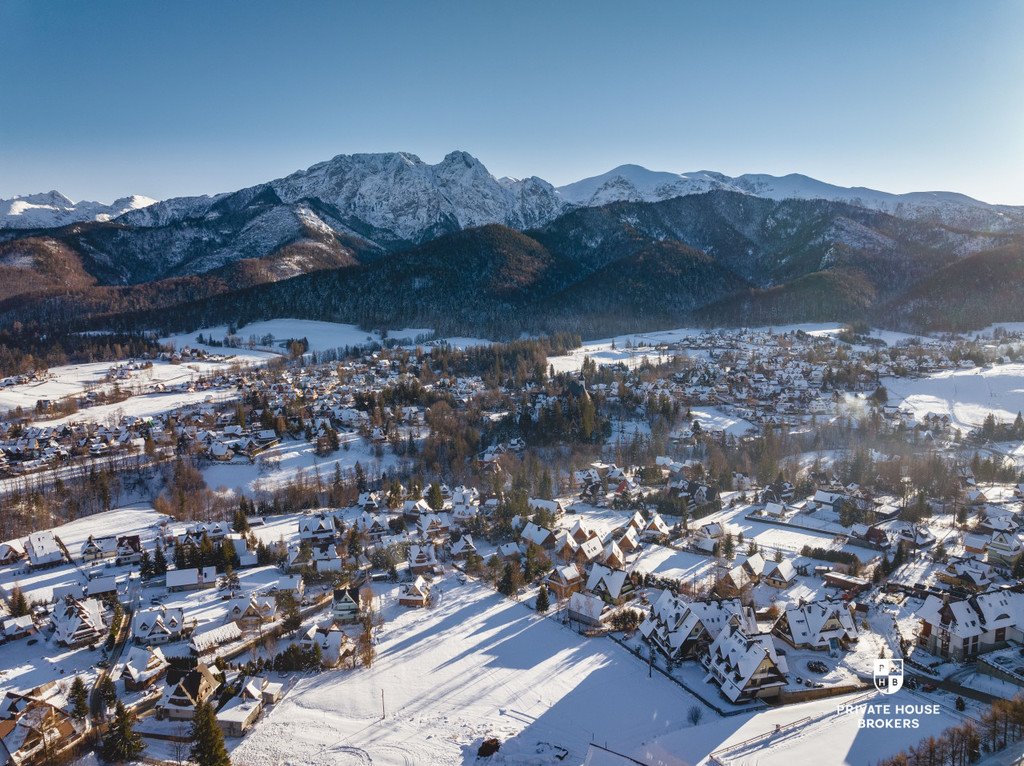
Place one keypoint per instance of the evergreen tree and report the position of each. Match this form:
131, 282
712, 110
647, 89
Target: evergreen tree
475, 563
292, 616
159, 562
535, 561
588, 418
511, 579
228, 556
241, 520
364, 643
494, 569
207, 739
18, 602
122, 743
115, 626
79, 698
207, 553
264, 557
180, 560
542, 600
145, 565
988, 427
434, 498
544, 488
727, 548
108, 691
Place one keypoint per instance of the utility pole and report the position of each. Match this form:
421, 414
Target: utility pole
383, 715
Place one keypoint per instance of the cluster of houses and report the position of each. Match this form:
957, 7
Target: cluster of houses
185, 690
745, 652
737, 647
32, 727
764, 378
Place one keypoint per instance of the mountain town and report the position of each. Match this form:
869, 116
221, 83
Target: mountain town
745, 520
524, 384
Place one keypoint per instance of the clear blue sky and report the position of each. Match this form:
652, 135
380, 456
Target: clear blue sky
101, 99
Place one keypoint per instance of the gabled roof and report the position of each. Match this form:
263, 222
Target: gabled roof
610, 580
144, 663
591, 548
816, 623
974, 616
535, 534
587, 605
779, 570
737, 656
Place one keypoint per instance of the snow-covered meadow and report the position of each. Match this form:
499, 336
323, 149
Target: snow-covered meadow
281, 463
75, 379
630, 350
475, 666
966, 396
322, 336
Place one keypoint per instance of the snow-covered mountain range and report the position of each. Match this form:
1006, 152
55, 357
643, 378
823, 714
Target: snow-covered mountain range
390, 240
635, 183
394, 199
52, 209
389, 199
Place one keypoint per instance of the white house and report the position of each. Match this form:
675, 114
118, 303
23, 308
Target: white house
159, 626
142, 667
963, 628
78, 622
681, 629
586, 609
821, 624
42, 550
191, 579
614, 584
745, 666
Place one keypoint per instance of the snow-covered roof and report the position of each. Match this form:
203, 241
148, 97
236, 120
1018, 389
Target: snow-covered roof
584, 604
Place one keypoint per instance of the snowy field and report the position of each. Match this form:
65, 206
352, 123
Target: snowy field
600, 520
322, 336
678, 565
279, 465
967, 396
633, 349
139, 519
476, 666
770, 536
74, 379
143, 406
623, 349
714, 419
817, 734
38, 585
